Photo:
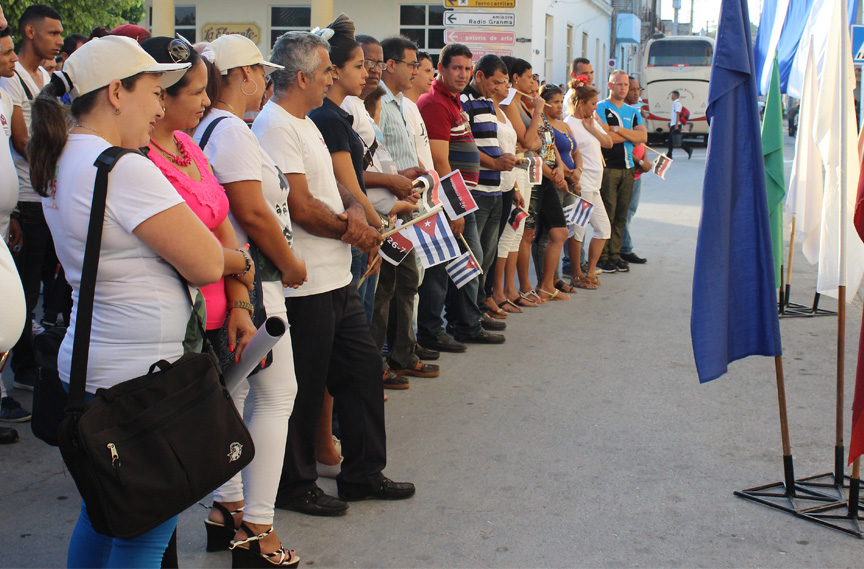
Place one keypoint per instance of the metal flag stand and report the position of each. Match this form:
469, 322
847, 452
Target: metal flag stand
788, 494
790, 309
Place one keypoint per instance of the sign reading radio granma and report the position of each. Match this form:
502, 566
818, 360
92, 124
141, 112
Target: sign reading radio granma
480, 19
212, 31
479, 3
479, 37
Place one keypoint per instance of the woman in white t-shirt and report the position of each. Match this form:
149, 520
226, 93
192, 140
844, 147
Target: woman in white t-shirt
140, 308
590, 137
258, 197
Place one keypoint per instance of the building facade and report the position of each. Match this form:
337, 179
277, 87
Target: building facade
547, 33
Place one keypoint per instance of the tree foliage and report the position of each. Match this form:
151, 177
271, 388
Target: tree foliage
81, 16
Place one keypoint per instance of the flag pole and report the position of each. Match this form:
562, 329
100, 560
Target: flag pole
462, 237
429, 213
788, 469
841, 350
369, 270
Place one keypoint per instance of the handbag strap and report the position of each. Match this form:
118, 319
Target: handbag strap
87, 291
205, 138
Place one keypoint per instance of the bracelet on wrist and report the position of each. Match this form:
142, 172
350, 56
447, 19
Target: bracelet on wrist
248, 261
245, 305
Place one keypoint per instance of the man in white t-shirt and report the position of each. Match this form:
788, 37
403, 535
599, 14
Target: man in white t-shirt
675, 125
329, 332
41, 38
422, 84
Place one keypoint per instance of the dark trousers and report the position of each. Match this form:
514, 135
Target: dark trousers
506, 205
616, 189
35, 258
671, 144
488, 219
394, 311
334, 349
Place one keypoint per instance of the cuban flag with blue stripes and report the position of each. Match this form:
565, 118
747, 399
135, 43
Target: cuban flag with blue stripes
433, 241
578, 213
463, 270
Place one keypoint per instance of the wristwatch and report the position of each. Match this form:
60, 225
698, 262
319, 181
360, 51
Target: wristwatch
245, 305
614, 129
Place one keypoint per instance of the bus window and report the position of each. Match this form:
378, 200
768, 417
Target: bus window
680, 52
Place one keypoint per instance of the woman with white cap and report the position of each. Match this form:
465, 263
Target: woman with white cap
258, 197
141, 308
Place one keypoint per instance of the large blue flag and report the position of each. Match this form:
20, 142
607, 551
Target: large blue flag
734, 311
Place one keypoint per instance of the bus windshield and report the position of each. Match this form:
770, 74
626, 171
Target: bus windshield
680, 52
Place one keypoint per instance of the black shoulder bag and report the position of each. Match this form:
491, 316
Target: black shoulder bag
146, 449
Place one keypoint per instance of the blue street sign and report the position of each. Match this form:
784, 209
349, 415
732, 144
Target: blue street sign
858, 45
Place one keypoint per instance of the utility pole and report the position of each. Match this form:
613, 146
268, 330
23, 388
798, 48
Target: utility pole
692, 2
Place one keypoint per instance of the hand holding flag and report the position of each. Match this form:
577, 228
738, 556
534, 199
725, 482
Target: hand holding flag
464, 269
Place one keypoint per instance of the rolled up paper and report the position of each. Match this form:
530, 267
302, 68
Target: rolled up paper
256, 350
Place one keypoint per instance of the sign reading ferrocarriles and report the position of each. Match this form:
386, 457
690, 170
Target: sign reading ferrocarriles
480, 19
479, 3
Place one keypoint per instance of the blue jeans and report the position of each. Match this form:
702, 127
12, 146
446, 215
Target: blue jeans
367, 289
626, 241
90, 549
463, 313
488, 221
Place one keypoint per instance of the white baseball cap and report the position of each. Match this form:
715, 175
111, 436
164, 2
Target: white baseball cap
102, 60
233, 50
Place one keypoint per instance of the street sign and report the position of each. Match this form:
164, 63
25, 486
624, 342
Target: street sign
613, 63
480, 19
479, 3
858, 44
478, 53
479, 37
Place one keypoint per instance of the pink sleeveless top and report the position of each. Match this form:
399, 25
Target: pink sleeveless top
209, 202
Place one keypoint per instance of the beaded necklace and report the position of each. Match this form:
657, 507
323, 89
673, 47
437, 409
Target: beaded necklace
182, 160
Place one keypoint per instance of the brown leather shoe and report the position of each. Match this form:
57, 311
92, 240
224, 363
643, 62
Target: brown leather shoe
394, 381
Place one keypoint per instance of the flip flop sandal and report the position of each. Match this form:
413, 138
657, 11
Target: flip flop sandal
510, 307
553, 295
522, 299
527, 296
564, 287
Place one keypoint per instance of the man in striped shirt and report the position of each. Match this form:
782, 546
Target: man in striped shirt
490, 77
453, 148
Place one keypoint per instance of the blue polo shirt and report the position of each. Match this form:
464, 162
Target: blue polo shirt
620, 156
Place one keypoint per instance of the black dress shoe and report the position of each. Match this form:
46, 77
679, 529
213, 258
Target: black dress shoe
483, 337
634, 258
8, 436
426, 354
443, 343
490, 323
315, 503
385, 490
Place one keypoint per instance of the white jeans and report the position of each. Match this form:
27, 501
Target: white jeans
511, 238
265, 400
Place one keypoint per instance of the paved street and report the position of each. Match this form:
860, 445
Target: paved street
585, 441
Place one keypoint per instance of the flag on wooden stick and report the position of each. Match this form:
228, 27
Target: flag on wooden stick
463, 270
534, 165
395, 248
433, 240
517, 214
661, 165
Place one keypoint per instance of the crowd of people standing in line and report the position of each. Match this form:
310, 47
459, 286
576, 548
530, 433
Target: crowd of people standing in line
286, 217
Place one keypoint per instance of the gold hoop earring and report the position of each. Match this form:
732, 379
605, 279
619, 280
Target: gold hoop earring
244, 92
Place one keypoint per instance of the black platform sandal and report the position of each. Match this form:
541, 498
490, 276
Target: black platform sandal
219, 536
250, 557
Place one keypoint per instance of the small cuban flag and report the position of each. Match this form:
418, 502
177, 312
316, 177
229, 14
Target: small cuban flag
433, 241
463, 269
661, 165
578, 213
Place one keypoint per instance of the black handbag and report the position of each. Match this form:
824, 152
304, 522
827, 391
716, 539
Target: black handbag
146, 449
49, 397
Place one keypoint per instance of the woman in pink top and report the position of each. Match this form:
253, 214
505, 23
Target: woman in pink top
184, 164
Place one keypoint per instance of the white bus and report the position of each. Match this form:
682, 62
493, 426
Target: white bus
677, 63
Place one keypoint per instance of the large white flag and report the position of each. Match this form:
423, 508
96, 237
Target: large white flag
816, 33
841, 253
804, 197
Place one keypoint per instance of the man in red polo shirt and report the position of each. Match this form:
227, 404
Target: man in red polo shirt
453, 148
